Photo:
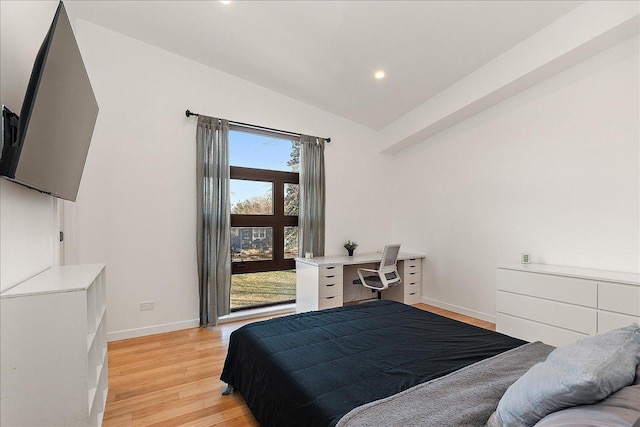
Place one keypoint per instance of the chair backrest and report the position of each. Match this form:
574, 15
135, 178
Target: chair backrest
386, 275
389, 256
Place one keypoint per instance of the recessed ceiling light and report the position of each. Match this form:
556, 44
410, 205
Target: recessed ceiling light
225, 1
379, 74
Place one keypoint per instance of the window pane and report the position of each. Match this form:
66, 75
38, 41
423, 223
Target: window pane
259, 289
290, 242
251, 150
251, 197
251, 244
291, 199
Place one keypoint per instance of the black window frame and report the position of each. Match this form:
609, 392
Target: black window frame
277, 220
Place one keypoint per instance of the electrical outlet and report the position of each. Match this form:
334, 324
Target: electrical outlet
525, 258
147, 305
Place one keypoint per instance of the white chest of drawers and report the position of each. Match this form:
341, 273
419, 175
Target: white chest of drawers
558, 305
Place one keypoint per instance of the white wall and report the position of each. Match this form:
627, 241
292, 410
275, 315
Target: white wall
136, 207
29, 221
553, 171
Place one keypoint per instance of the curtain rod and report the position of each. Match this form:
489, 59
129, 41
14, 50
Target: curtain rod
189, 114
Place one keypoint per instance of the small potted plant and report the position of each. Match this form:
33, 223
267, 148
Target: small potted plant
350, 246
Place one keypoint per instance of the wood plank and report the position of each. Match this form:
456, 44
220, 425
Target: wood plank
172, 379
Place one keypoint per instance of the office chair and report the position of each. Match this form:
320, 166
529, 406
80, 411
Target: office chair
385, 276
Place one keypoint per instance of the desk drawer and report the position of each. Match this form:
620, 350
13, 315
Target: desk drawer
329, 289
330, 302
331, 279
414, 286
330, 270
412, 276
412, 297
414, 264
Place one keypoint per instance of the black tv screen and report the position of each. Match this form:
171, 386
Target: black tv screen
57, 118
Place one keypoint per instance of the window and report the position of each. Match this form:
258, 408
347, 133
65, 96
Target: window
264, 217
260, 233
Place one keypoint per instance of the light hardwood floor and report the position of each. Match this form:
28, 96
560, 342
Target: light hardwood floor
172, 379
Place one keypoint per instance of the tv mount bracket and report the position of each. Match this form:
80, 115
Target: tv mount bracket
9, 129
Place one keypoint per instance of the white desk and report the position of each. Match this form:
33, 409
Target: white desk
326, 282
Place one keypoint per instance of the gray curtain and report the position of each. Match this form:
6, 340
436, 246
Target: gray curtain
213, 233
312, 196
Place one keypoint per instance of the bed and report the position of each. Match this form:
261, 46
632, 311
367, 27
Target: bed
373, 364
313, 368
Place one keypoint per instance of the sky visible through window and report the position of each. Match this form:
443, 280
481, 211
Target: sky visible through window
256, 151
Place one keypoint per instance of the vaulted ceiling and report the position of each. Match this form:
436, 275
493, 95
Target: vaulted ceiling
325, 53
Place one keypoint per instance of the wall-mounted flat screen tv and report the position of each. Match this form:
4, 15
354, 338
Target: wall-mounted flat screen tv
57, 118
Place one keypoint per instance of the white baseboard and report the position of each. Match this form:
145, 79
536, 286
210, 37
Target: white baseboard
150, 330
461, 310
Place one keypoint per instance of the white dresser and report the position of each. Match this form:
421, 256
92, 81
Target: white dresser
327, 282
558, 305
54, 348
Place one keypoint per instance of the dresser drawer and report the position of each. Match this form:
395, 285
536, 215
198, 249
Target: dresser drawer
567, 316
564, 289
623, 299
608, 321
329, 302
529, 330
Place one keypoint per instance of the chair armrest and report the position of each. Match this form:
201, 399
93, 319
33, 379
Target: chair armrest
369, 270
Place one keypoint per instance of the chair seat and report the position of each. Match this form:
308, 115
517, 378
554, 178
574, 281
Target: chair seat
374, 281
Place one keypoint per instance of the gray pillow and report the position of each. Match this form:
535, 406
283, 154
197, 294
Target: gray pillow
621, 409
576, 374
